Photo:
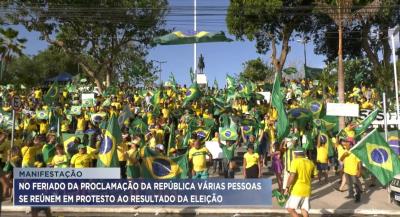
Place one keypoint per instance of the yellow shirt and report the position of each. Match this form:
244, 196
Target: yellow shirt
60, 161
121, 149
351, 165
38, 94
152, 143
198, 157
81, 160
28, 156
251, 159
304, 169
159, 136
165, 113
64, 126
43, 127
322, 154
132, 158
340, 151
81, 124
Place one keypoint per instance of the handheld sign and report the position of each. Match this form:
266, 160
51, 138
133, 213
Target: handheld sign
16, 103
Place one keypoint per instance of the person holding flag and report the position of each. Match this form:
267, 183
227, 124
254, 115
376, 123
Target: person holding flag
197, 155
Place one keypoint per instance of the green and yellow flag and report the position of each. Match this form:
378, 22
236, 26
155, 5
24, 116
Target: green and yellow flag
156, 166
52, 94
363, 126
156, 98
69, 145
42, 115
378, 157
107, 156
191, 94
277, 102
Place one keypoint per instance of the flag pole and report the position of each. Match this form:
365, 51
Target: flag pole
195, 45
385, 116
395, 31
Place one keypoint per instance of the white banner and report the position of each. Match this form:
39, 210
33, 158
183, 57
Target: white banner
342, 109
267, 96
214, 149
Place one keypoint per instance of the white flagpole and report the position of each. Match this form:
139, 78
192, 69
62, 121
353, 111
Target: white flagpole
195, 45
395, 31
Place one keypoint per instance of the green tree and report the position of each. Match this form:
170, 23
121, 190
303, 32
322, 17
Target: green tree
343, 12
10, 47
271, 23
95, 33
257, 71
32, 71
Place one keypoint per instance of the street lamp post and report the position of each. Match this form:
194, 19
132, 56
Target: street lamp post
395, 31
160, 65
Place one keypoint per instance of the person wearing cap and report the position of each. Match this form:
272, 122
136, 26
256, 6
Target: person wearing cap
352, 171
132, 160
197, 156
251, 164
81, 159
302, 170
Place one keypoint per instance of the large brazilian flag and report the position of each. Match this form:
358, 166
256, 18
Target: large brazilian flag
277, 102
156, 166
107, 156
378, 157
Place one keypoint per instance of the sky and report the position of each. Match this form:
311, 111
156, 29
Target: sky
220, 58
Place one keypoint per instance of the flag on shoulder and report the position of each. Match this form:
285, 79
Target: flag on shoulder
108, 146
378, 157
157, 166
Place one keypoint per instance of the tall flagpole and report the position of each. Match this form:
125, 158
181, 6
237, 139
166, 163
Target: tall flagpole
195, 45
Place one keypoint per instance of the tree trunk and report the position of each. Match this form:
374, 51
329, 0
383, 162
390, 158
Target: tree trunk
108, 78
340, 73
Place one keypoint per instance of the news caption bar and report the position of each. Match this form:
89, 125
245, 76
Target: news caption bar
100, 187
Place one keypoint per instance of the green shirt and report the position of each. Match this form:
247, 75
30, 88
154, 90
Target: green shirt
229, 151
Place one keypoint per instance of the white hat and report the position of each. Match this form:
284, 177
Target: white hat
160, 147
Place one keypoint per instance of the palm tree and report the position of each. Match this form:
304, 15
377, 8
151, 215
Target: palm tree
343, 12
10, 46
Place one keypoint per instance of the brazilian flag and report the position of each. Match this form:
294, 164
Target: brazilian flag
42, 115
137, 127
107, 156
228, 133
75, 110
179, 37
191, 94
156, 166
202, 134
299, 115
277, 102
52, 94
247, 130
70, 148
316, 108
327, 140
378, 157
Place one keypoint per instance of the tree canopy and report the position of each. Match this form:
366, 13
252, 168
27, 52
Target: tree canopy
95, 33
256, 71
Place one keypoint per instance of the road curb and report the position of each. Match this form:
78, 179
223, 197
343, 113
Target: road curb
200, 210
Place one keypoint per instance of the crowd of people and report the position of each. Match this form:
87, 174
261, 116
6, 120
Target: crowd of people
172, 111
